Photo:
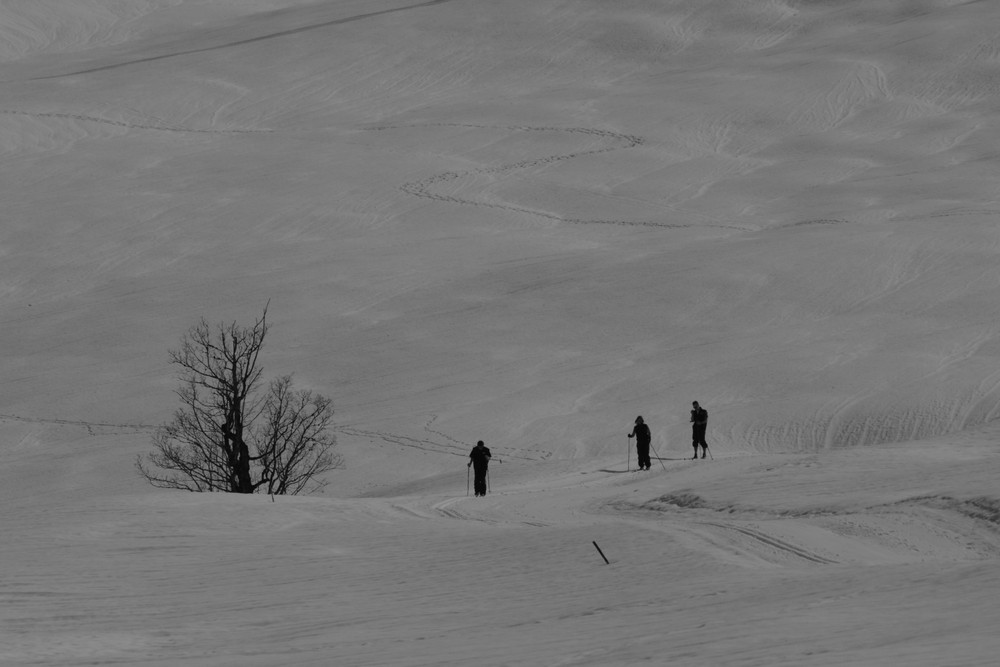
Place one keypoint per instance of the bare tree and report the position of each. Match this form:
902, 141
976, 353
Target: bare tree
228, 437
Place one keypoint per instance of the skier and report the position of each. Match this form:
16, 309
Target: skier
699, 422
642, 437
479, 457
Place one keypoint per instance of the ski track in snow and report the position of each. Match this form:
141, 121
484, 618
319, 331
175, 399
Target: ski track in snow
91, 427
451, 446
780, 546
242, 42
915, 530
918, 529
422, 444
937, 527
736, 539
425, 188
509, 452
131, 126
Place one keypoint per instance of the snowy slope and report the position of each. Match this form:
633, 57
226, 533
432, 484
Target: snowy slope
527, 223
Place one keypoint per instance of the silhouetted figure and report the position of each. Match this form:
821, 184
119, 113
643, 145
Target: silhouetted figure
642, 438
479, 459
699, 422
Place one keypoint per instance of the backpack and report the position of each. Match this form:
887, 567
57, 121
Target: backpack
642, 433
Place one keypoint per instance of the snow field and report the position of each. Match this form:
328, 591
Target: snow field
522, 222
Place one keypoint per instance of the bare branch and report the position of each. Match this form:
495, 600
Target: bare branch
228, 437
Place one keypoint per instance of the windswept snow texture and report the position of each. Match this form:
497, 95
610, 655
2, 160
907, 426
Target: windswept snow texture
526, 222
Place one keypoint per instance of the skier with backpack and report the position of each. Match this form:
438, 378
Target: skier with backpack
699, 423
479, 460
642, 438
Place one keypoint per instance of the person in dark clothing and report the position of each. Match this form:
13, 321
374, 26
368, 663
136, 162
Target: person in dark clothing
642, 438
479, 459
699, 422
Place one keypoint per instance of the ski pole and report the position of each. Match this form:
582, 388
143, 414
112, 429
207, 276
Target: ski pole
487, 480
711, 458
628, 455
468, 472
657, 456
